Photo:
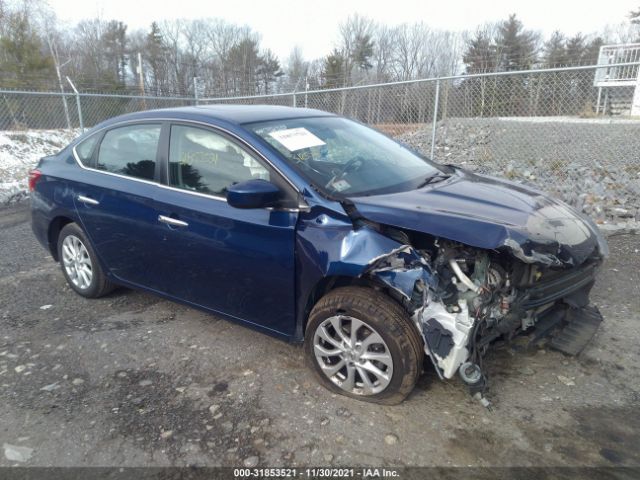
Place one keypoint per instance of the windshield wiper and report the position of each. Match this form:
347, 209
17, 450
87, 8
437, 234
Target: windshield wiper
434, 178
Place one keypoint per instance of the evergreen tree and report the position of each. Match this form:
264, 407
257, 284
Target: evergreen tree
333, 69
155, 52
576, 49
517, 47
243, 60
24, 62
555, 50
480, 53
114, 40
592, 51
268, 70
356, 47
362, 52
635, 20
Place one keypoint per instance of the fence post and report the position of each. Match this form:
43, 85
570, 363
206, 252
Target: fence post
635, 102
435, 120
195, 90
77, 104
294, 100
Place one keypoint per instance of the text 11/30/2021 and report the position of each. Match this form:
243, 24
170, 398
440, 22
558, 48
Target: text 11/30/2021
365, 473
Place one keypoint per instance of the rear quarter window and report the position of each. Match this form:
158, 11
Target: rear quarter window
84, 150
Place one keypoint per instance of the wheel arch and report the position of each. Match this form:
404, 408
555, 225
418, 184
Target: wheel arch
329, 283
55, 227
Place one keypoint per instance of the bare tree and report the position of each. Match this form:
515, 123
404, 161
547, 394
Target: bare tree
195, 49
46, 17
625, 32
297, 69
243, 62
223, 36
421, 51
356, 46
229, 59
86, 51
178, 75
384, 52
3, 16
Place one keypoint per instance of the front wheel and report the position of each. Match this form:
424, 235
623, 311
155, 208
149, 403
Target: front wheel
79, 263
362, 344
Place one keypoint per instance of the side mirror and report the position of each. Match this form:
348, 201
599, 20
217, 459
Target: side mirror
253, 194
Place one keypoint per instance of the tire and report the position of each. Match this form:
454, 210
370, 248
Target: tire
80, 265
372, 312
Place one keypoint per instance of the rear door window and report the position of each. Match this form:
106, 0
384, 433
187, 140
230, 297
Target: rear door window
130, 151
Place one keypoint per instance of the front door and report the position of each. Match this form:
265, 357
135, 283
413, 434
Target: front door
236, 262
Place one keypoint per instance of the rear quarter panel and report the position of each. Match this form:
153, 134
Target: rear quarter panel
53, 196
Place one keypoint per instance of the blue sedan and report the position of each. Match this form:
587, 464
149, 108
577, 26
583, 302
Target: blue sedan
317, 229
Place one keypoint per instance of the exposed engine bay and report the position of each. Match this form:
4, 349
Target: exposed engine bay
462, 299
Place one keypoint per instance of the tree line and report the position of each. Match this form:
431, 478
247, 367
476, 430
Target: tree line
213, 57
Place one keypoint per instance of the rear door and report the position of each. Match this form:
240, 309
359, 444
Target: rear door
115, 200
237, 262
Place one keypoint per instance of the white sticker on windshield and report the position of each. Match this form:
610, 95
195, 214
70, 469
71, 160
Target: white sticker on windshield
296, 138
340, 185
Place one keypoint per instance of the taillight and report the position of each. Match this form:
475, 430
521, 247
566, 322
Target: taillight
34, 176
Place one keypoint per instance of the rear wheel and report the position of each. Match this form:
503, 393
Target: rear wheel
362, 344
79, 264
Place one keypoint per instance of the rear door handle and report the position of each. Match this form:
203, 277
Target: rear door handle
174, 222
88, 200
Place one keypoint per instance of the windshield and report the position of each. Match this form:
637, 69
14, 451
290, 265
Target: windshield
343, 157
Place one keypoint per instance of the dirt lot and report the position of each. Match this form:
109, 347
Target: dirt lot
131, 379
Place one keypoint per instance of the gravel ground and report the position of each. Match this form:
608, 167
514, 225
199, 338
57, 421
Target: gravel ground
133, 380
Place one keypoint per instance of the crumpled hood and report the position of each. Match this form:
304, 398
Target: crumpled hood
489, 213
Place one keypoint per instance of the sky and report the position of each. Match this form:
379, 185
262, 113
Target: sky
313, 25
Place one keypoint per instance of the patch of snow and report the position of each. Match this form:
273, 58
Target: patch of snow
20, 152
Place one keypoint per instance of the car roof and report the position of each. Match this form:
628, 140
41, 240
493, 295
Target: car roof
238, 114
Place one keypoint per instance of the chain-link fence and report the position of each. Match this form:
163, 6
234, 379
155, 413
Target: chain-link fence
557, 128
564, 130
20, 110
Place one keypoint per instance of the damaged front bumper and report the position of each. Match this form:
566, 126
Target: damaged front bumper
459, 313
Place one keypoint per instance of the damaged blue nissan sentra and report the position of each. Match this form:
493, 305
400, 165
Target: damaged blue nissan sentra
318, 229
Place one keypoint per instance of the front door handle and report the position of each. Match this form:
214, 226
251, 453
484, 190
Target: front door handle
174, 222
88, 200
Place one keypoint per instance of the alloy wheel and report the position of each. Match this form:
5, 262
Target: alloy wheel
353, 355
76, 261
